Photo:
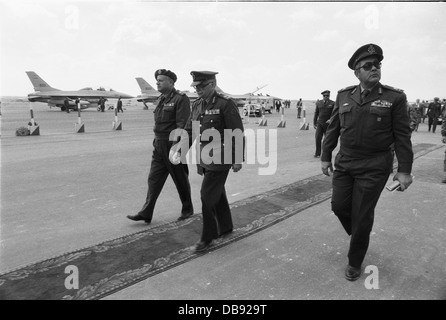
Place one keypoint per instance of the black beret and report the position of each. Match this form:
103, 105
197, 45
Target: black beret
200, 76
364, 52
325, 92
168, 73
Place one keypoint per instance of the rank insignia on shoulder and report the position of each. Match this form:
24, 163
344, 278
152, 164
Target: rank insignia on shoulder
345, 104
347, 88
381, 104
393, 88
212, 111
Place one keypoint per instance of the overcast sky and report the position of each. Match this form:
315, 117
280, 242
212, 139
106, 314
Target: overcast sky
297, 49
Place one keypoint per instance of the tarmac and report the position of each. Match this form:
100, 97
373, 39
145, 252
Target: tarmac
62, 191
304, 257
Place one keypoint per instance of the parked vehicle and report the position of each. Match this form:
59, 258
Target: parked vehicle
255, 110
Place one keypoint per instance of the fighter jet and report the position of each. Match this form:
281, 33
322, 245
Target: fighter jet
55, 97
242, 99
150, 95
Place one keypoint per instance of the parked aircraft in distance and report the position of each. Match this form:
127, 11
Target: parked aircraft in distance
150, 94
242, 99
55, 97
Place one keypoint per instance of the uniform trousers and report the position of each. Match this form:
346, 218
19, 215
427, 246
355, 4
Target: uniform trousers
432, 122
217, 218
160, 169
320, 131
357, 186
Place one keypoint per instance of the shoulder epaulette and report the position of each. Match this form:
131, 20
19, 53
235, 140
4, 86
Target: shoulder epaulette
223, 96
347, 88
393, 88
181, 92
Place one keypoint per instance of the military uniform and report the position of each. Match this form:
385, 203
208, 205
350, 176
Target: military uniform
443, 134
433, 113
216, 156
171, 112
322, 114
366, 130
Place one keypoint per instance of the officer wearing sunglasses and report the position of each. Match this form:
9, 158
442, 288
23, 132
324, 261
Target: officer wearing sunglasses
216, 115
368, 119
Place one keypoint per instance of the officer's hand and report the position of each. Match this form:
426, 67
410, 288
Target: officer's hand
314, 126
236, 167
405, 180
326, 167
174, 157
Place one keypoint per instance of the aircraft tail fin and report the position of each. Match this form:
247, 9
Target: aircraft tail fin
38, 83
145, 86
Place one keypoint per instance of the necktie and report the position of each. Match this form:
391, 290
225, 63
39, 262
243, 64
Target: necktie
364, 95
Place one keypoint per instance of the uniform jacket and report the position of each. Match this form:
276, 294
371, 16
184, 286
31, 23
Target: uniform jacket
443, 124
172, 112
323, 111
414, 116
369, 128
214, 117
434, 110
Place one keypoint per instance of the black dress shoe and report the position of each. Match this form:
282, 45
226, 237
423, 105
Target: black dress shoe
202, 246
138, 217
226, 233
185, 216
352, 273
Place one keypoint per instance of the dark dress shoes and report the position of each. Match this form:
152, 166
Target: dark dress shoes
352, 273
138, 217
202, 246
185, 216
225, 233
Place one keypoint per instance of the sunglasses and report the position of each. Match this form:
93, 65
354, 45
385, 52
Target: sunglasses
369, 65
202, 86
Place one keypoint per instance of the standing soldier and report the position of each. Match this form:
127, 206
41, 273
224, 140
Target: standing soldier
433, 113
368, 118
119, 105
171, 113
217, 115
66, 105
322, 115
299, 108
443, 134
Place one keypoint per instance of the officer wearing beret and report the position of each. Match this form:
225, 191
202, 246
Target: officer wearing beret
212, 115
172, 112
368, 118
322, 115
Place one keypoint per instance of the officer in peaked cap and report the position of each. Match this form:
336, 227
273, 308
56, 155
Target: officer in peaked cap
322, 114
171, 113
365, 51
370, 120
215, 115
326, 92
201, 76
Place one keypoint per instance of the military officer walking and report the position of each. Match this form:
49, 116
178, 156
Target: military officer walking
368, 118
214, 116
172, 112
322, 115
433, 113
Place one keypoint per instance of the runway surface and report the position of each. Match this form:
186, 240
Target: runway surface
62, 191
